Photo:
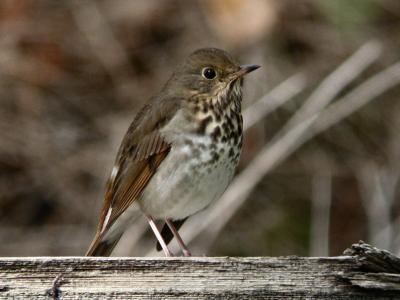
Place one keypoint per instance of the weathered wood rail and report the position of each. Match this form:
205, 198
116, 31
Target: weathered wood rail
363, 273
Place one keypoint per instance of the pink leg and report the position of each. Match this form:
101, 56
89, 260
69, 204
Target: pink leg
171, 226
158, 236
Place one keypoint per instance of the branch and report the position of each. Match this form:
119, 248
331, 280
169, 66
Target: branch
377, 206
273, 100
333, 84
321, 201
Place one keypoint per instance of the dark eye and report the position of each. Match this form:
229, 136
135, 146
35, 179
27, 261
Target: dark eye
209, 73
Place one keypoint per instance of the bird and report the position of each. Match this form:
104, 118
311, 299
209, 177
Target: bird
180, 152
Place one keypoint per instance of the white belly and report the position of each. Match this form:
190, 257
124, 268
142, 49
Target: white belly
186, 181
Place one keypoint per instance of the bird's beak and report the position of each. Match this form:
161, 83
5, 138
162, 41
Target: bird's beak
244, 69
248, 68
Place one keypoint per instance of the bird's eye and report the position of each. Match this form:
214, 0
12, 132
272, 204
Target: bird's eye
208, 73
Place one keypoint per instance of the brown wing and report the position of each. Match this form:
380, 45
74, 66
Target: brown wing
135, 169
134, 177
118, 198
142, 150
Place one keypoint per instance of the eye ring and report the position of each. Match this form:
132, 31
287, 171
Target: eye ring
209, 73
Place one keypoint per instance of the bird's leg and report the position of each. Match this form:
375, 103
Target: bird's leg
171, 226
158, 236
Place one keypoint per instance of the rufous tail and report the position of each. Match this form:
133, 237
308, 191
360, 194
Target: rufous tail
103, 247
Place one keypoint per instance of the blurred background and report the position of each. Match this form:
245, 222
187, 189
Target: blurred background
320, 167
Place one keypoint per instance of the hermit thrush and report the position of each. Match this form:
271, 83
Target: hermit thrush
180, 152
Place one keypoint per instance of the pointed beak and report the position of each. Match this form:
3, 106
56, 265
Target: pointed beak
245, 69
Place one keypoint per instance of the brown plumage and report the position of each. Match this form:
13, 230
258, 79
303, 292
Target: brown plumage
171, 145
137, 160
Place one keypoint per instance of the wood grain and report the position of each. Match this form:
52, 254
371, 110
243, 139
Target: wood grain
364, 273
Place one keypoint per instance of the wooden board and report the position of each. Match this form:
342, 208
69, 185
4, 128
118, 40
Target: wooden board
365, 273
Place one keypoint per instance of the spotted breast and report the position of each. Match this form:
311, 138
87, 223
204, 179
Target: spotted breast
201, 162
